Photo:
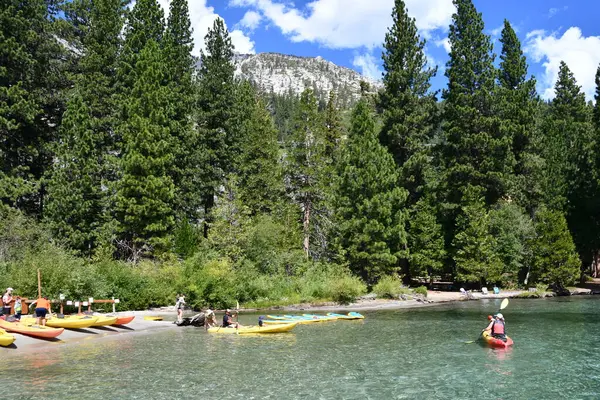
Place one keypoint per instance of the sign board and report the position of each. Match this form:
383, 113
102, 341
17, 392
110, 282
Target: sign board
69, 303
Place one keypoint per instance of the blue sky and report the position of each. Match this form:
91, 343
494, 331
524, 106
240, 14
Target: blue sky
350, 32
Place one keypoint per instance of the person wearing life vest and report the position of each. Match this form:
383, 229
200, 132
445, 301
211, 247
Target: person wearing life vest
497, 327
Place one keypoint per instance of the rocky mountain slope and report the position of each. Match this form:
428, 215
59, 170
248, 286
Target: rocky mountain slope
283, 74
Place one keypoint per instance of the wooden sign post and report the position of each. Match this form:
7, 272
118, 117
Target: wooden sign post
39, 284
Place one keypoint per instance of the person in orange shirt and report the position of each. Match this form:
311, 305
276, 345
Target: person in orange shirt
42, 309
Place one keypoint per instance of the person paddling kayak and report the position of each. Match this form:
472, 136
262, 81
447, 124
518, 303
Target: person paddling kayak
497, 327
228, 320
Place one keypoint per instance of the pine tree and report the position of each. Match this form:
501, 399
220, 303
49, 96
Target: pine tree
569, 151
555, 259
303, 162
178, 45
77, 198
409, 108
369, 206
517, 106
218, 144
425, 241
260, 176
145, 197
31, 106
333, 128
475, 152
597, 103
473, 246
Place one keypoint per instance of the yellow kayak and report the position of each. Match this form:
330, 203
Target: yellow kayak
349, 316
100, 320
71, 323
255, 329
153, 318
5, 338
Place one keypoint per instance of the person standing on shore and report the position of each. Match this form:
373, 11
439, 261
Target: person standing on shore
42, 308
6, 300
180, 304
18, 308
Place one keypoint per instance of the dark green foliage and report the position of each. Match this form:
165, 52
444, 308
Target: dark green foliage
474, 246
259, 171
31, 79
555, 260
475, 152
409, 109
512, 231
218, 144
333, 128
369, 206
517, 106
145, 196
77, 190
425, 241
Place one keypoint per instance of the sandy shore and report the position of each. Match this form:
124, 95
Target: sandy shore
72, 336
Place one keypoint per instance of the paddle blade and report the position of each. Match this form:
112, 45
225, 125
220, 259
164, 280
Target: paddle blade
504, 304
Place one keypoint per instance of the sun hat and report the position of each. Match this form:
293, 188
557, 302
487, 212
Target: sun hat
10, 289
500, 316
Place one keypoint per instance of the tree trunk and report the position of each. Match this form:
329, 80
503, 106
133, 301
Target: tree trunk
306, 224
209, 203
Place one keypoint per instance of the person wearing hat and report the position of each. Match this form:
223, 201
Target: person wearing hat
209, 319
6, 300
228, 320
180, 305
497, 327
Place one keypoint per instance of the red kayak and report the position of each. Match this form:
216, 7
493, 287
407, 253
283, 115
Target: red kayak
498, 343
124, 320
42, 332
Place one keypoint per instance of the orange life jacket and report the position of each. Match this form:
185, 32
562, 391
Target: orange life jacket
498, 327
43, 303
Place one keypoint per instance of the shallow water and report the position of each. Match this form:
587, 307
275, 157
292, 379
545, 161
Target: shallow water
404, 354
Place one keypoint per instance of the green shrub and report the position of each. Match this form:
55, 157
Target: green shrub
346, 289
389, 287
422, 290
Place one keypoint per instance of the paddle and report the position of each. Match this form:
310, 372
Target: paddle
502, 307
237, 317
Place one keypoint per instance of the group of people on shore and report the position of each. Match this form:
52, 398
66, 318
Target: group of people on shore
12, 306
210, 319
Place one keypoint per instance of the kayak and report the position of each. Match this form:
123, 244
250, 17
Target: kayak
302, 319
71, 323
99, 320
42, 332
124, 320
255, 329
5, 338
153, 318
349, 316
319, 317
493, 342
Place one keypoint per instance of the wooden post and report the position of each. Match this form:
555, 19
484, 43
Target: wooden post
39, 284
79, 310
113, 301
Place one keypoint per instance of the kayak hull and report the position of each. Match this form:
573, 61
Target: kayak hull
124, 320
101, 320
349, 316
280, 328
496, 343
6, 339
71, 323
153, 318
41, 332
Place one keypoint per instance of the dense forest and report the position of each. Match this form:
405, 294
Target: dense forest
131, 169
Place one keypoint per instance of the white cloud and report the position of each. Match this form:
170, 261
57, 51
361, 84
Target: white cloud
251, 20
580, 53
368, 65
553, 11
348, 23
445, 43
202, 18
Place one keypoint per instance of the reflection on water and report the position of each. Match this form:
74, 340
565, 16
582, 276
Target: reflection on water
404, 354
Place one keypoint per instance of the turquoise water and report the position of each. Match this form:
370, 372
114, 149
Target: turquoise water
404, 354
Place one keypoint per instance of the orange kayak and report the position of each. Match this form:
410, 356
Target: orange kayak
43, 332
494, 342
124, 320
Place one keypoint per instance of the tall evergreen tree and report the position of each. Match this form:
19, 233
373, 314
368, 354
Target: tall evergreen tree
517, 106
475, 152
303, 162
178, 45
569, 148
333, 127
369, 206
31, 76
409, 108
473, 246
218, 143
77, 197
260, 174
